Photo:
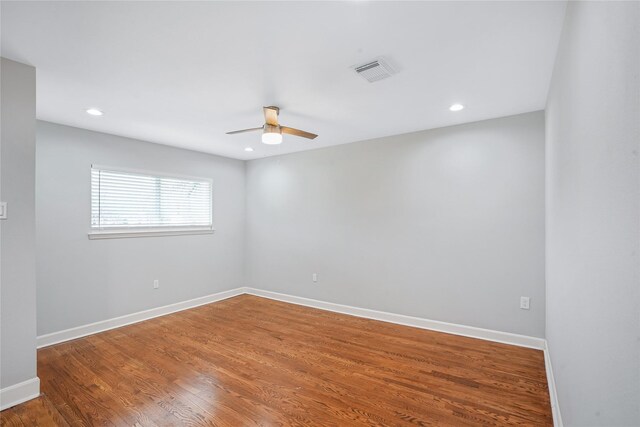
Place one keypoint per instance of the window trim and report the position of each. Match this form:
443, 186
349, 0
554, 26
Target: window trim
121, 233
126, 232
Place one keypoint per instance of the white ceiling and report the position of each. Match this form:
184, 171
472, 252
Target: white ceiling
184, 73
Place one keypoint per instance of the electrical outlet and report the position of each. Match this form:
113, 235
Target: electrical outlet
314, 277
524, 303
156, 284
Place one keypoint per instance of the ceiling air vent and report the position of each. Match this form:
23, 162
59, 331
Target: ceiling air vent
374, 70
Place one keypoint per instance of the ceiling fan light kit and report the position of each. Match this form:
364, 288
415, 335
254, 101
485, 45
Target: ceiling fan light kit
271, 135
272, 131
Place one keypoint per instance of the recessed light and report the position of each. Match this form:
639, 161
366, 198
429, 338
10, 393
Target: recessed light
94, 112
456, 107
248, 149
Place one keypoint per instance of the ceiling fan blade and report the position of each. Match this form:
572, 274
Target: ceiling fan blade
244, 130
297, 132
271, 115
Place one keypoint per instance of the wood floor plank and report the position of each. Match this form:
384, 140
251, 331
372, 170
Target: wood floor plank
38, 412
254, 361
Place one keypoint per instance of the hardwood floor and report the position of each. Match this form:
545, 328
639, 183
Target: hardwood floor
253, 361
36, 412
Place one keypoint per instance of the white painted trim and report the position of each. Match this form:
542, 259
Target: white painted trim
140, 232
400, 319
19, 393
416, 322
551, 382
116, 322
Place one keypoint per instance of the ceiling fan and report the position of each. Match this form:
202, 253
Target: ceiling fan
272, 131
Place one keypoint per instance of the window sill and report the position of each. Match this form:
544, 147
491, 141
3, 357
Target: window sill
123, 234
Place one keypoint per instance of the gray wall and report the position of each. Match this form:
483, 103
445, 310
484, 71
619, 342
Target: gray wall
593, 215
17, 233
82, 281
446, 224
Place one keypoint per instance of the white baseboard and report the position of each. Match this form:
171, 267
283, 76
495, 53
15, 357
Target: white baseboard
400, 319
551, 382
416, 322
18, 393
434, 325
116, 322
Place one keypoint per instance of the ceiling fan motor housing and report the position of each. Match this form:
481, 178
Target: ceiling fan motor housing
271, 128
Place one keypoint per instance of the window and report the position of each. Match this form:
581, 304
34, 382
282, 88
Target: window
127, 203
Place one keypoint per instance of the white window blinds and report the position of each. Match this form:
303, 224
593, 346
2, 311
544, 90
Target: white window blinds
122, 199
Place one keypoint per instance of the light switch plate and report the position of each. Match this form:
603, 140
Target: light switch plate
3, 210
